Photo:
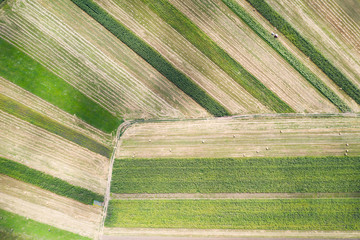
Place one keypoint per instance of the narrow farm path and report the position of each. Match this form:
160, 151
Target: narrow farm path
159, 196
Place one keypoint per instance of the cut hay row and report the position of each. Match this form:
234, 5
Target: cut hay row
46, 152
265, 214
327, 44
21, 111
299, 55
43, 107
245, 46
46, 207
79, 50
24, 71
140, 19
262, 137
153, 57
287, 55
204, 44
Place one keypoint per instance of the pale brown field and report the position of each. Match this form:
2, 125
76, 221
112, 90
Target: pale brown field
243, 137
183, 55
77, 48
244, 45
306, 16
299, 55
36, 148
46, 207
30, 100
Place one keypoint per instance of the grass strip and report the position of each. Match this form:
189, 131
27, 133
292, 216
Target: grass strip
27, 114
13, 226
287, 55
47, 182
25, 72
266, 214
208, 47
237, 175
307, 48
152, 57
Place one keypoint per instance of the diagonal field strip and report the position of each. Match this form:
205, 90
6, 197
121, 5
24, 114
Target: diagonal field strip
159, 196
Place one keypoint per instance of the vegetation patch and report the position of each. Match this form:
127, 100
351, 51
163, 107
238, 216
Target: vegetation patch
266, 214
287, 55
21, 111
307, 48
47, 182
237, 175
24, 71
208, 47
152, 57
13, 226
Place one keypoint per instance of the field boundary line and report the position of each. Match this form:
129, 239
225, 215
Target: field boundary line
120, 131
181, 232
213, 196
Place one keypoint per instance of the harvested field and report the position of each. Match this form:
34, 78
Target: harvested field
247, 136
300, 55
36, 148
79, 50
305, 16
246, 47
140, 19
46, 207
24, 97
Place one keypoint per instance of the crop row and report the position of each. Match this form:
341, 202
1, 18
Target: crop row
233, 175
23, 112
152, 57
24, 71
307, 48
287, 55
207, 46
47, 182
271, 214
13, 226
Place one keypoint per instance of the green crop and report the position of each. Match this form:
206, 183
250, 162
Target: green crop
25, 72
152, 57
13, 226
232, 175
207, 46
267, 214
307, 48
287, 55
47, 182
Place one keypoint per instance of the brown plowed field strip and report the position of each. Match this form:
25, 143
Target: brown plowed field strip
183, 55
299, 55
222, 233
32, 101
77, 48
36, 148
237, 137
312, 26
46, 207
244, 45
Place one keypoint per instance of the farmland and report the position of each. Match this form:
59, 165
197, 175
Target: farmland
295, 214
261, 136
242, 175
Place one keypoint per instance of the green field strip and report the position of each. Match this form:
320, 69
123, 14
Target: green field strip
24, 71
307, 48
27, 114
154, 58
23, 173
13, 226
287, 55
237, 175
266, 214
208, 47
